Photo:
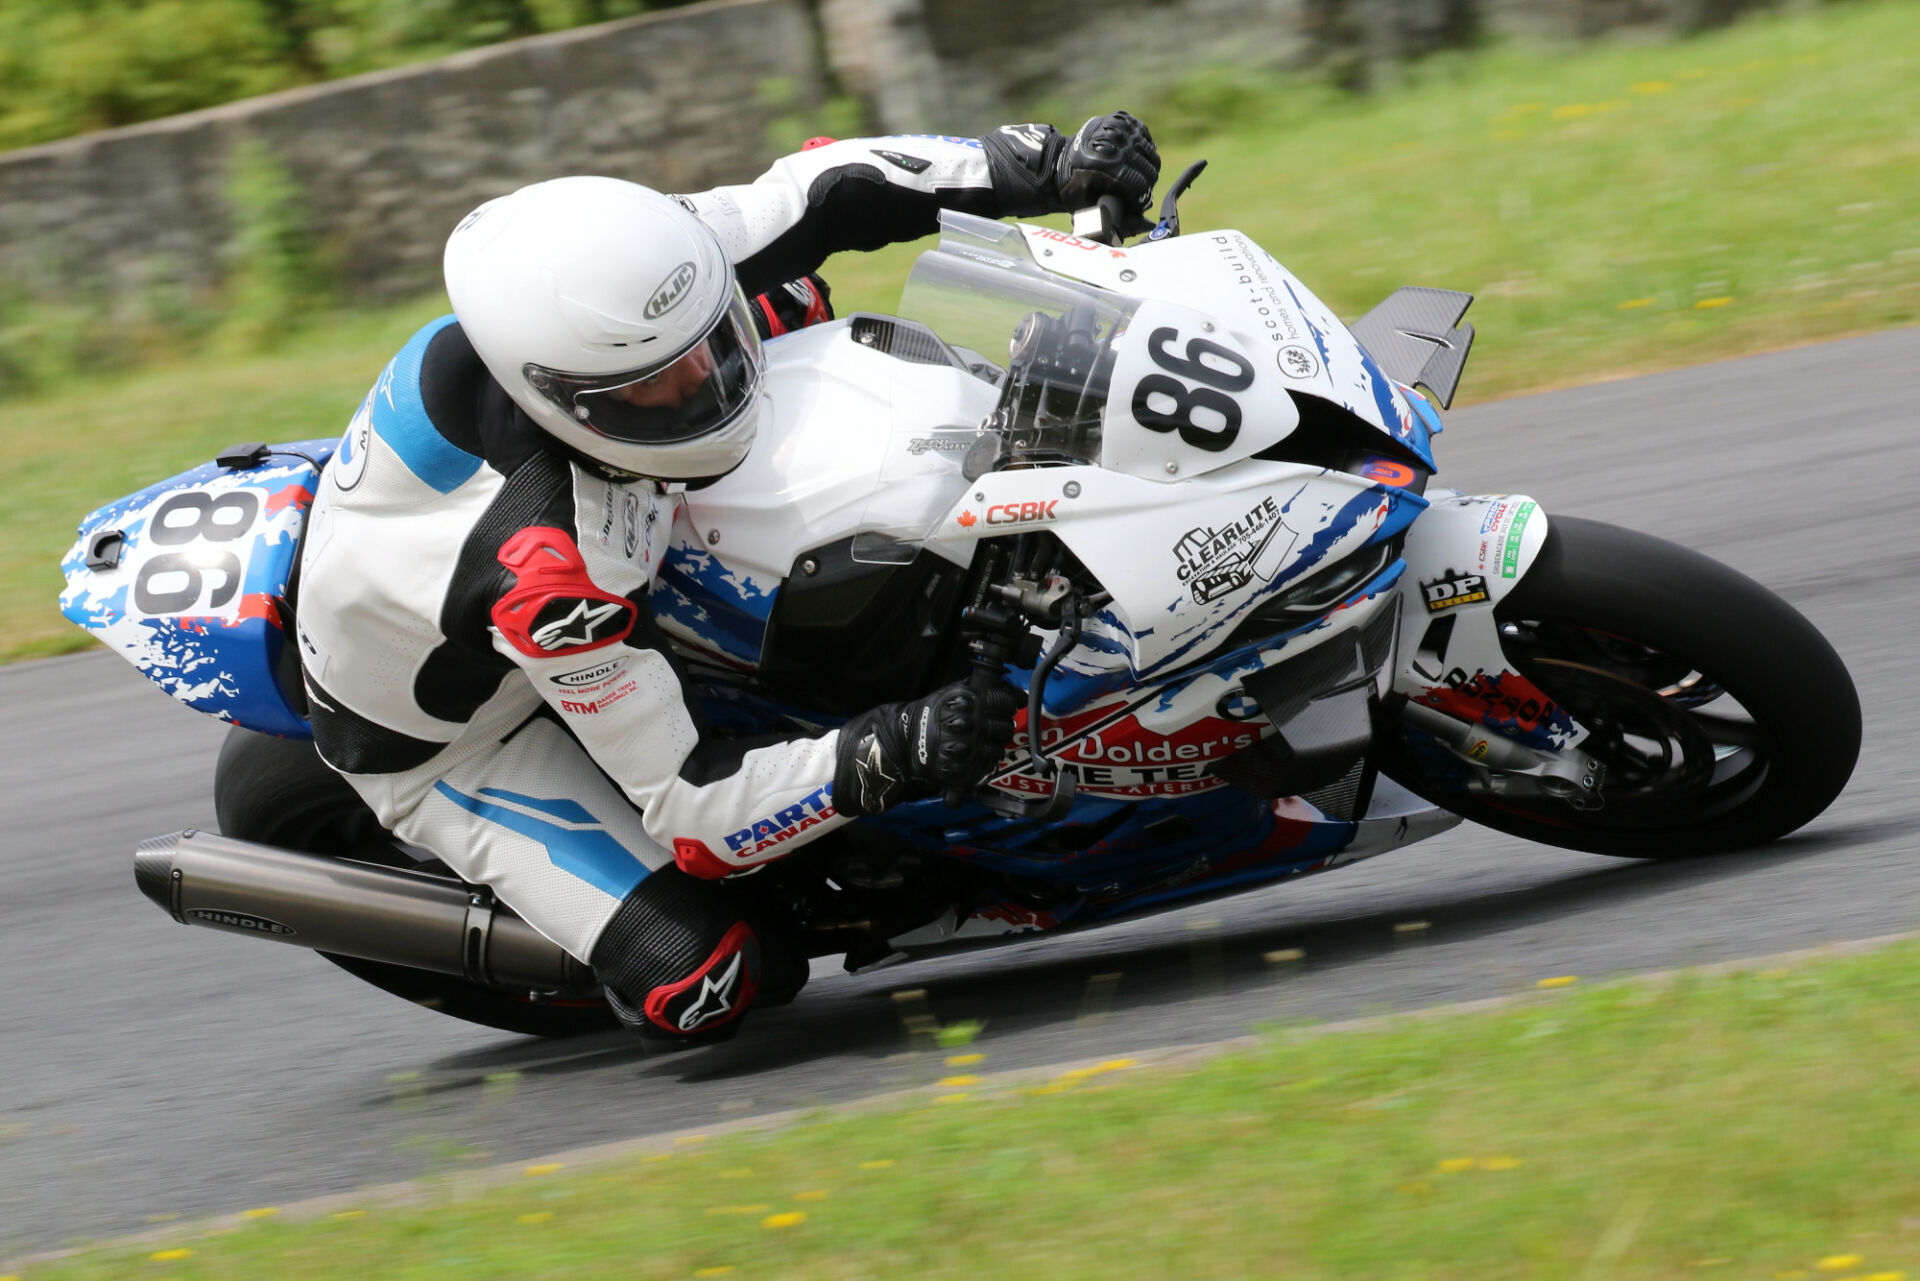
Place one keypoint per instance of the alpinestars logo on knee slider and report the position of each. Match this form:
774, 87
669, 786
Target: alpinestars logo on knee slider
720, 990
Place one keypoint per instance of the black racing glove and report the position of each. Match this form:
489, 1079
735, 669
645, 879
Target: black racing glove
904, 751
1037, 170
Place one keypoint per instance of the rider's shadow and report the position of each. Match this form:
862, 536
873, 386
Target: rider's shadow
1030, 989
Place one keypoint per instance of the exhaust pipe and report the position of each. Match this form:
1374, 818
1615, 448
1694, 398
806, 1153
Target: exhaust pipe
354, 909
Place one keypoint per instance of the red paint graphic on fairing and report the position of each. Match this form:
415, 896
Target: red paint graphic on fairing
298, 497
1113, 754
1505, 701
252, 605
555, 607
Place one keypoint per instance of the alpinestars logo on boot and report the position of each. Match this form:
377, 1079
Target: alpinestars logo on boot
714, 998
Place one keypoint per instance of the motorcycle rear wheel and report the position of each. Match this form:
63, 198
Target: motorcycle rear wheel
278, 791
1723, 717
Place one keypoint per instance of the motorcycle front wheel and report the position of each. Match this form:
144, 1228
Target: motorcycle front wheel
1723, 718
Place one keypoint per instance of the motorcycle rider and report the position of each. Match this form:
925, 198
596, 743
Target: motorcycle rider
473, 618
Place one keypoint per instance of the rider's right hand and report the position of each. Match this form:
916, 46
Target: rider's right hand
904, 751
1036, 169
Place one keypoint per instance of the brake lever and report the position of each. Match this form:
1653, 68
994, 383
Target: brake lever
1169, 225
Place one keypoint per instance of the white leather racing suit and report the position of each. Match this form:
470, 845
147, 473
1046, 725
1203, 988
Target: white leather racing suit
473, 616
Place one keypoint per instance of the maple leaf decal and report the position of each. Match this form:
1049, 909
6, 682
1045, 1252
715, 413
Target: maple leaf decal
966, 519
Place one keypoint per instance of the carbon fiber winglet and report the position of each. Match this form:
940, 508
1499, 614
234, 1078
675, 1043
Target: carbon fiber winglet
1413, 336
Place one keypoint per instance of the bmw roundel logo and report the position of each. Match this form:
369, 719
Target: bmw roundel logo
1237, 705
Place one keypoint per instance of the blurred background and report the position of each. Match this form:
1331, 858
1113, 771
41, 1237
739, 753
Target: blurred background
220, 216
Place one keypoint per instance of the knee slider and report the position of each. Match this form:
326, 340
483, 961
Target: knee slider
676, 960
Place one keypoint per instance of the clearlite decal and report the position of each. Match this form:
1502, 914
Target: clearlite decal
1215, 560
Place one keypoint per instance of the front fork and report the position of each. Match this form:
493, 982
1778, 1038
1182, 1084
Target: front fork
1499, 766
1466, 554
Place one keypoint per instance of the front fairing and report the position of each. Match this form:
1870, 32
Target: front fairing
1265, 307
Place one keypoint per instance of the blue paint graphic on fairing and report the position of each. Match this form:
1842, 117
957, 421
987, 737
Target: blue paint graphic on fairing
1399, 516
1428, 414
400, 418
707, 572
1131, 865
556, 807
718, 604
224, 667
589, 853
1319, 339
1068, 692
1381, 390
713, 627
1387, 398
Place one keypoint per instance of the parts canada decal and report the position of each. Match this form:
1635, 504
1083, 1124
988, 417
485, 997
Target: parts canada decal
764, 834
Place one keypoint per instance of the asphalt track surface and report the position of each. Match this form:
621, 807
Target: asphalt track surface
150, 1069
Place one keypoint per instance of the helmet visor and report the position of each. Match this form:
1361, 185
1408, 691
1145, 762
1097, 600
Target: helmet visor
696, 393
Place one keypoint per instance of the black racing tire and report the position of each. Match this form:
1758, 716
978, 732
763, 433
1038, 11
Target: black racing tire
1658, 644
278, 791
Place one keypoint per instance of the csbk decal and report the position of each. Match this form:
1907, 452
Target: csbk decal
555, 608
1451, 590
1021, 513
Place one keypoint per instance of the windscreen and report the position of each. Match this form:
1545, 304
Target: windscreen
1044, 343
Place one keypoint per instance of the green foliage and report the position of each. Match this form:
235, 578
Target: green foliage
838, 117
274, 278
69, 66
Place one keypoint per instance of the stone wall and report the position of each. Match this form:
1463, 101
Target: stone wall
387, 163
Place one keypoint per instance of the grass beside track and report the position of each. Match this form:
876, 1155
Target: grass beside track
1616, 209
1752, 1125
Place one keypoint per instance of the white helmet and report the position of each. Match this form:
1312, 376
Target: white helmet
611, 315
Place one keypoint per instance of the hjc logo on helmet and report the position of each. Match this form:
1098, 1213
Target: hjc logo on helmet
670, 291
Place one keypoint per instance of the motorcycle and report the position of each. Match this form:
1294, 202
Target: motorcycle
1159, 485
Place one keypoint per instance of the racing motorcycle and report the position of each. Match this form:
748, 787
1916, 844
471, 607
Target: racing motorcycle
1161, 486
